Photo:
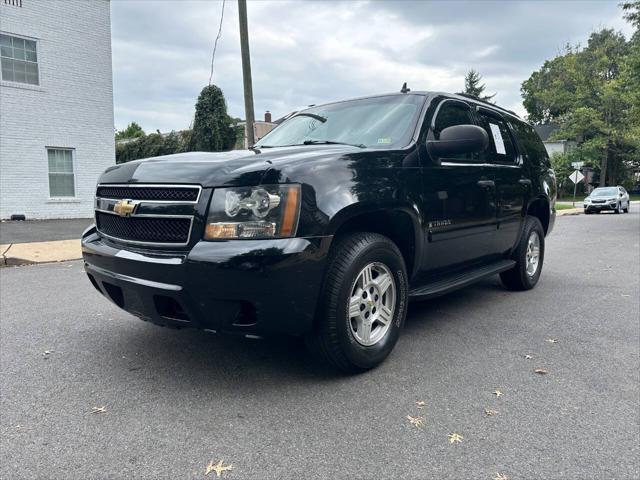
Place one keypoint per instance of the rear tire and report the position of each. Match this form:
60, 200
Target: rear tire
529, 257
342, 336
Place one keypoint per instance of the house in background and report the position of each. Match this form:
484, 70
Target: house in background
260, 129
553, 146
56, 106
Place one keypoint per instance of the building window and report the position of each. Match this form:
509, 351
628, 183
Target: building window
61, 174
19, 60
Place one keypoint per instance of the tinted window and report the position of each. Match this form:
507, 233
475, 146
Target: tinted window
450, 114
533, 148
501, 148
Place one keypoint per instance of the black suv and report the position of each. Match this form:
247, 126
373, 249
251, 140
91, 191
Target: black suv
330, 224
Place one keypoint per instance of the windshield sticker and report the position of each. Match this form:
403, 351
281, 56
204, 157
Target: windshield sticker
384, 141
497, 139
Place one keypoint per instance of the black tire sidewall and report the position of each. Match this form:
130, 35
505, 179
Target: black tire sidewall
533, 224
357, 354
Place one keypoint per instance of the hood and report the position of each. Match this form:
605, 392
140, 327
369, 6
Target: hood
212, 169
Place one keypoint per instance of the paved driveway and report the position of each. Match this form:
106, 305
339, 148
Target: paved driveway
176, 400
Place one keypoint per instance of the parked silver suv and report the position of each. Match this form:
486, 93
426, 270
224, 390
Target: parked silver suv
611, 199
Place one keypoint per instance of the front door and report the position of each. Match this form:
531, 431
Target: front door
458, 200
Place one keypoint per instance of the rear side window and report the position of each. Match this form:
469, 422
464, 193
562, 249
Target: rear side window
533, 148
501, 148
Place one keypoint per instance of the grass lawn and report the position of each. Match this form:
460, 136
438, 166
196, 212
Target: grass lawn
563, 206
580, 198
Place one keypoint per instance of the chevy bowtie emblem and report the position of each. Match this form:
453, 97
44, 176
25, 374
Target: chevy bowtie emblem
124, 208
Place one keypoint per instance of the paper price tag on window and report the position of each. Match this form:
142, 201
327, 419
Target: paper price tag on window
497, 139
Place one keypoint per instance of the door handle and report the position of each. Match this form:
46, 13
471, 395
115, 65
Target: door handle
524, 181
486, 183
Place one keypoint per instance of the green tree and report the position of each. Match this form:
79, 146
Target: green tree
473, 87
212, 126
133, 130
632, 12
590, 93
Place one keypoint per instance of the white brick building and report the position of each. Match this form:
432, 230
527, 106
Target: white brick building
56, 106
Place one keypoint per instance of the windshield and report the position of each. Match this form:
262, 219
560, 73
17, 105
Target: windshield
605, 192
378, 122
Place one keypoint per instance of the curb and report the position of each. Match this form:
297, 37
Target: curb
570, 211
15, 254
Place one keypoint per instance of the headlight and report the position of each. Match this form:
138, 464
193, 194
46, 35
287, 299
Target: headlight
587, 200
265, 211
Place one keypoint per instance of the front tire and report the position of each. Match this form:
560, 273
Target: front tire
529, 256
618, 208
362, 305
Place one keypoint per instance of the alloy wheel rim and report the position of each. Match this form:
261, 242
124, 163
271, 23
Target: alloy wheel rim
371, 304
533, 254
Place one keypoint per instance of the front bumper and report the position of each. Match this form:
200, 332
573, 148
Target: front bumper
600, 207
243, 286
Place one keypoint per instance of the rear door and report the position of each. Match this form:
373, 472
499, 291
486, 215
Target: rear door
505, 163
458, 199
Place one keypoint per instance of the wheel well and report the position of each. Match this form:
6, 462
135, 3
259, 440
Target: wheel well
395, 225
540, 208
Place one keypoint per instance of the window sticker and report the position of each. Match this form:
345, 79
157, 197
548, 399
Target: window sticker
497, 139
384, 141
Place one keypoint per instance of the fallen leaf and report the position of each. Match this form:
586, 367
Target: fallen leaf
420, 404
541, 371
490, 413
623, 295
417, 422
497, 393
46, 353
455, 438
101, 409
528, 357
219, 468
552, 340
499, 476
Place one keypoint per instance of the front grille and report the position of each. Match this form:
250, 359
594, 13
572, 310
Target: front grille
155, 193
144, 229
598, 201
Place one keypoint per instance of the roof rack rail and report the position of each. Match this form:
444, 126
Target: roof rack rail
472, 97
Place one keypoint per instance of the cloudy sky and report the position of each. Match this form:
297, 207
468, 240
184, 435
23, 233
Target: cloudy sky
315, 52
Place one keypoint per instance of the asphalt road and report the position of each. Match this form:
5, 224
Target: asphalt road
42, 230
176, 400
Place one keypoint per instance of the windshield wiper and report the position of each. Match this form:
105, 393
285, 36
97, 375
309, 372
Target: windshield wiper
330, 142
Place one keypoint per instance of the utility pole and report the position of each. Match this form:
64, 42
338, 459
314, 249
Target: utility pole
246, 71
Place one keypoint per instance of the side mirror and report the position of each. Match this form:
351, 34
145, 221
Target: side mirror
458, 139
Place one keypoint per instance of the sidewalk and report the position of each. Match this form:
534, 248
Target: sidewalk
41, 241
40, 252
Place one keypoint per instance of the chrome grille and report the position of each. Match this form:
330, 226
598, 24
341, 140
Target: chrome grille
144, 229
145, 214
153, 194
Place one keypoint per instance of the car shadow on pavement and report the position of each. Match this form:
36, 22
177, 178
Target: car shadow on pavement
201, 360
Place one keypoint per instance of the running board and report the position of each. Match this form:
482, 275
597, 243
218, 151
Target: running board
459, 280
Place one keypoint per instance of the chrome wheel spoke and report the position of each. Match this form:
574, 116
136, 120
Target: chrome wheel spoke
364, 330
354, 305
367, 275
385, 315
384, 282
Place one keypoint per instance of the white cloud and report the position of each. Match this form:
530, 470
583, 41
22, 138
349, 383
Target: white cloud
314, 52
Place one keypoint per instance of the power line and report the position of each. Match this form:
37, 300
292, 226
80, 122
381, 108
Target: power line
215, 44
